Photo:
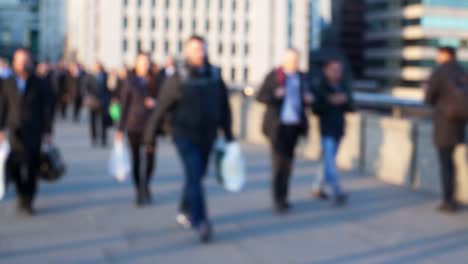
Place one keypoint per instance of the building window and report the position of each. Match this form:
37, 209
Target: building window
233, 49
125, 3
247, 27
139, 23
220, 26
233, 74
153, 46
181, 4
221, 5
207, 4
139, 3
153, 23
124, 45
233, 26
220, 48
246, 49
153, 3
207, 25
194, 4
139, 46
125, 22
166, 47
194, 25
246, 74
247, 6
168, 3
180, 46
181, 24
166, 23
234, 5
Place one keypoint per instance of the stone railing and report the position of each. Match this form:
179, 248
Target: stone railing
393, 148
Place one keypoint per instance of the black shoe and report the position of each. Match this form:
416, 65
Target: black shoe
282, 208
448, 207
341, 200
25, 208
147, 195
140, 199
320, 195
205, 232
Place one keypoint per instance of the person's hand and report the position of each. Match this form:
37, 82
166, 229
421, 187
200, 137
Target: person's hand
47, 139
118, 136
150, 149
2, 137
338, 99
150, 103
280, 92
309, 98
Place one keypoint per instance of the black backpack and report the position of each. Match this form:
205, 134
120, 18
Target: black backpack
52, 165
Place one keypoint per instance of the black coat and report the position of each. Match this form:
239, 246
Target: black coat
198, 106
28, 116
447, 133
266, 95
332, 118
134, 113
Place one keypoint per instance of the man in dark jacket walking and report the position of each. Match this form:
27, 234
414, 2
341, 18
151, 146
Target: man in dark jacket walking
26, 111
334, 100
197, 98
285, 92
447, 133
76, 86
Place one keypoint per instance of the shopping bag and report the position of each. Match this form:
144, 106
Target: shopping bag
233, 168
220, 148
52, 165
120, 164
4, 152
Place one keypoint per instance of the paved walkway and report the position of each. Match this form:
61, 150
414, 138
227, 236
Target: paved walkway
89, 218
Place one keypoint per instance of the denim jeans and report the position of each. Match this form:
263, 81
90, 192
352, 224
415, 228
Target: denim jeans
194, 160
330, 147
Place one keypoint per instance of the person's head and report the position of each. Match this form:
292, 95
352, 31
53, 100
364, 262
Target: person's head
98, 67
333, 70
446, 54
170, 62
123, 73
22, 62
43, 68
142, 65
74, 68
291, 61
195, 51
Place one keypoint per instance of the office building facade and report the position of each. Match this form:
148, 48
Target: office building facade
245, 37
403, 36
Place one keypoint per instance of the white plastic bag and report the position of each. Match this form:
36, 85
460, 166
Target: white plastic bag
120, 164
233, 168
4, 152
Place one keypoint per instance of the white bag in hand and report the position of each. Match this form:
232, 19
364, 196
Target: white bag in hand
4, 152
233, 168
120, 164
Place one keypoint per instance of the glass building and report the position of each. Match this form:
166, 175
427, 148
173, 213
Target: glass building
403, 36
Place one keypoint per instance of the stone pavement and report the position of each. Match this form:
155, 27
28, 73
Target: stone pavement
89, 218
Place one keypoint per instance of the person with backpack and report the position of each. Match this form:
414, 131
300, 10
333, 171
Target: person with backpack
446, 92
285, 92
197, 99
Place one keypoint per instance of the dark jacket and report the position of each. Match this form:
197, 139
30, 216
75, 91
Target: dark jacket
447, 133
198, 105
28, 116
266, 95
96, 86
77, 86
332, 117
134, 113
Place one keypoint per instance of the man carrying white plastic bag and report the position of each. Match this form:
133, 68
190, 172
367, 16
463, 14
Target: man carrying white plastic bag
119, 165
4, 152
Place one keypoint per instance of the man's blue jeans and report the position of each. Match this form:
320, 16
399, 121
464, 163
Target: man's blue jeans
194, 159
330, 147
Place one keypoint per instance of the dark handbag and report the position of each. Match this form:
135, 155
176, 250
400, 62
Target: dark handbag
455, 108
52, 165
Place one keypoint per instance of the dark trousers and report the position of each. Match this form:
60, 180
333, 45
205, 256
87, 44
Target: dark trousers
77, 105
447, 173
98, 122
135, 140
23, 172
282, 158
62, 108
195, 159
